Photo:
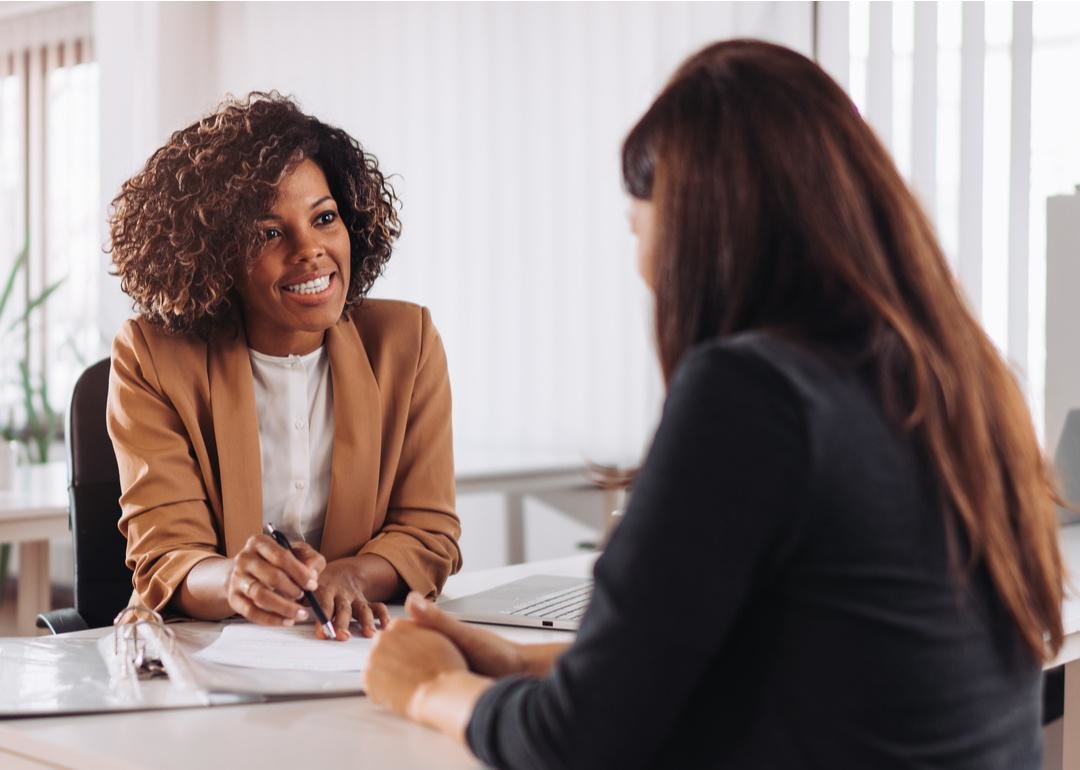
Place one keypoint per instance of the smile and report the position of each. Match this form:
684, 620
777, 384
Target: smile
314, 286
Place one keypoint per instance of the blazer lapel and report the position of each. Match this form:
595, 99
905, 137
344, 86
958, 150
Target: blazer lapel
354, 482
236, 433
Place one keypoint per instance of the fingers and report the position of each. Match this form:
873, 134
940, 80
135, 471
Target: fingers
249, 591
382, 614
264, 583
428, 614
366, 618
342, 617
300, 574
248, 609
309, 557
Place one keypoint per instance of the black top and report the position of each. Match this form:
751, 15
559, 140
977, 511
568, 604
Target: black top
778, 595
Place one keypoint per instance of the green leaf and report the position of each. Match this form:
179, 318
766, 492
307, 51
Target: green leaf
34, 304
9, 284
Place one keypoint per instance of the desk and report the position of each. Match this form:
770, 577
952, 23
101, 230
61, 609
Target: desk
337, 733
351, 732
32, 512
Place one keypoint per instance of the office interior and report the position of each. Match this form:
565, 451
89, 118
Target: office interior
500, 124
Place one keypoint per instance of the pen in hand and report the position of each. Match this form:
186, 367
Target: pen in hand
327, 626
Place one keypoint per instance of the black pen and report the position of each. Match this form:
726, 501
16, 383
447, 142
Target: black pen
327, 626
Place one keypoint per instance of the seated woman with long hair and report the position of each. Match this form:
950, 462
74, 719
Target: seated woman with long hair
258, 384
841, 550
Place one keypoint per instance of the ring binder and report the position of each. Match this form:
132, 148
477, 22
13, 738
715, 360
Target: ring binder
130, 649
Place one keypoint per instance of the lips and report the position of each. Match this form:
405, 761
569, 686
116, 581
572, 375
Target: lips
312, 286
314, 282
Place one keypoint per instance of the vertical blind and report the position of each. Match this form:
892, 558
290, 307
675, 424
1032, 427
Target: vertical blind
947, 87
48, 200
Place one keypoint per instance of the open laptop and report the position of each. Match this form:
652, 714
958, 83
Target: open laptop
538, 601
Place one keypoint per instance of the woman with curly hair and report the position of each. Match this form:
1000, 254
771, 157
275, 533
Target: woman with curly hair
258, 385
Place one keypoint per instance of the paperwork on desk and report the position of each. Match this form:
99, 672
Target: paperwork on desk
78, 673
252, 646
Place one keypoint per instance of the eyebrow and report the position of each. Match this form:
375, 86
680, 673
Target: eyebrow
315, 205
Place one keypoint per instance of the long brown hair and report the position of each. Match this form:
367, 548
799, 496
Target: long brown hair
776, 206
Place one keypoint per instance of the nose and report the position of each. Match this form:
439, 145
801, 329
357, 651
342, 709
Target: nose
308, 247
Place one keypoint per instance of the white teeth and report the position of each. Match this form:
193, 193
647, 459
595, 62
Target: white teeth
313, 286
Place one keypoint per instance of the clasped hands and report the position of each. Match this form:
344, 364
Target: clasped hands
432, 668
266, 585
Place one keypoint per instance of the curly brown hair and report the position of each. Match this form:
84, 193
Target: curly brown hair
184, 227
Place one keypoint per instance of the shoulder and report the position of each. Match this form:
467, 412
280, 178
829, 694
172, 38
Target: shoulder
394, 327
396, 334
773, 366
379, 318
139, 345
137, 334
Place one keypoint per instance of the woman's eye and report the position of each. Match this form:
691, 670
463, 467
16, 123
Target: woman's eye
271, 232
326, 217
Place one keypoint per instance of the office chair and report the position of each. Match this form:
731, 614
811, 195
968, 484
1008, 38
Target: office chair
102, 579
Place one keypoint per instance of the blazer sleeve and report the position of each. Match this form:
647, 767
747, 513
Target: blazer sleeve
420, 534
165, 517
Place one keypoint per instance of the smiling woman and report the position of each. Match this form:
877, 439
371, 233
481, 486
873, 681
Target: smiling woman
258, 385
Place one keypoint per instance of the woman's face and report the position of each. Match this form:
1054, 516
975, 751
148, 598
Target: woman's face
642, 225
296, 290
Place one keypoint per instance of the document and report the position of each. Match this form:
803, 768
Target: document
285, 647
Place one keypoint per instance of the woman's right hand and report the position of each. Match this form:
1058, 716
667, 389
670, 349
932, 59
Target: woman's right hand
266, 582
486, 653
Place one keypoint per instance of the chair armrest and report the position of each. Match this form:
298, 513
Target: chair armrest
61, 621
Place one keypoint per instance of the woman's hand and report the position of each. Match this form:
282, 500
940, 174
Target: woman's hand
342, 594
266, 582
487, 653
421, 675
404, 658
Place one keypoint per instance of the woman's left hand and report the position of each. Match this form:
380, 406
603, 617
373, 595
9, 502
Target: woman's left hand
342, 595
404, 659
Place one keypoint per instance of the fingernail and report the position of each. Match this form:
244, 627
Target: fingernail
312, 584
289, 621
301, 614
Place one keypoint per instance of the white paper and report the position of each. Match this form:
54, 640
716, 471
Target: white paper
288, 647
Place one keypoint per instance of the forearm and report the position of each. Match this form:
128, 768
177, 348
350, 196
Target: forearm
202, 595
380, 580
538, 659
446, 703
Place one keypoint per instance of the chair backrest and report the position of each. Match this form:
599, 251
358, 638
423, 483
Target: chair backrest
102, 579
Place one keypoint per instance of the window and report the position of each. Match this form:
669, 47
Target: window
48, 215
992, 85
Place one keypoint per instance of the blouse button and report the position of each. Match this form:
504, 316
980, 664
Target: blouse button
299, 424
298, 484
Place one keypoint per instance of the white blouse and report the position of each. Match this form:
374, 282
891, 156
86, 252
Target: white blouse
294, 401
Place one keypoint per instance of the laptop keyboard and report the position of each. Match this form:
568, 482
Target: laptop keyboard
566, 604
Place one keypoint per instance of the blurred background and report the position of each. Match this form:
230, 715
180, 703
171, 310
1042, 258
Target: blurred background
501, 124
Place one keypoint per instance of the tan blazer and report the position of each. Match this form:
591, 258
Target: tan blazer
181, 415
